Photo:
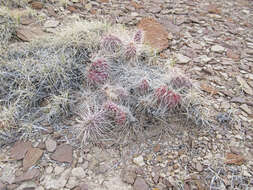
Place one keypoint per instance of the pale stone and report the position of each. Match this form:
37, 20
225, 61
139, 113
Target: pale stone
245, 108
50, 182
199, 167
88, 6
139, 161
72, 182
80, 160
244, 85
219, 136
217, 48
51, 23
115, 183
27, 185
78, 172
182, 59
7, 174
49, 169
249, 76
204, 58
85, 165
134, 14
51, 145
58, 170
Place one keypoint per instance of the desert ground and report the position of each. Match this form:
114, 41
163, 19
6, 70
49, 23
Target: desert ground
126, 94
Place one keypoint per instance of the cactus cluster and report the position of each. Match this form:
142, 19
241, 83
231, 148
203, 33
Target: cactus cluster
111, 43
114, 112
138, 36
143, 87
95, 80
92, 123
98, 72
166, 97
130, 52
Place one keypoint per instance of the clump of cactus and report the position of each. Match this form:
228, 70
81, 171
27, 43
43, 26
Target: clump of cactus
144, 87
166, 97
122, 96
98, 72
130, 52
138, 36
115, 113
92, 124
111, 43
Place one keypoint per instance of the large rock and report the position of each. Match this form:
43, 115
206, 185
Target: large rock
28, 34
155, 33
140, 184
63, 153
31, 157
19, 150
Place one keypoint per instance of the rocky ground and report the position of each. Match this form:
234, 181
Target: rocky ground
212, 42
